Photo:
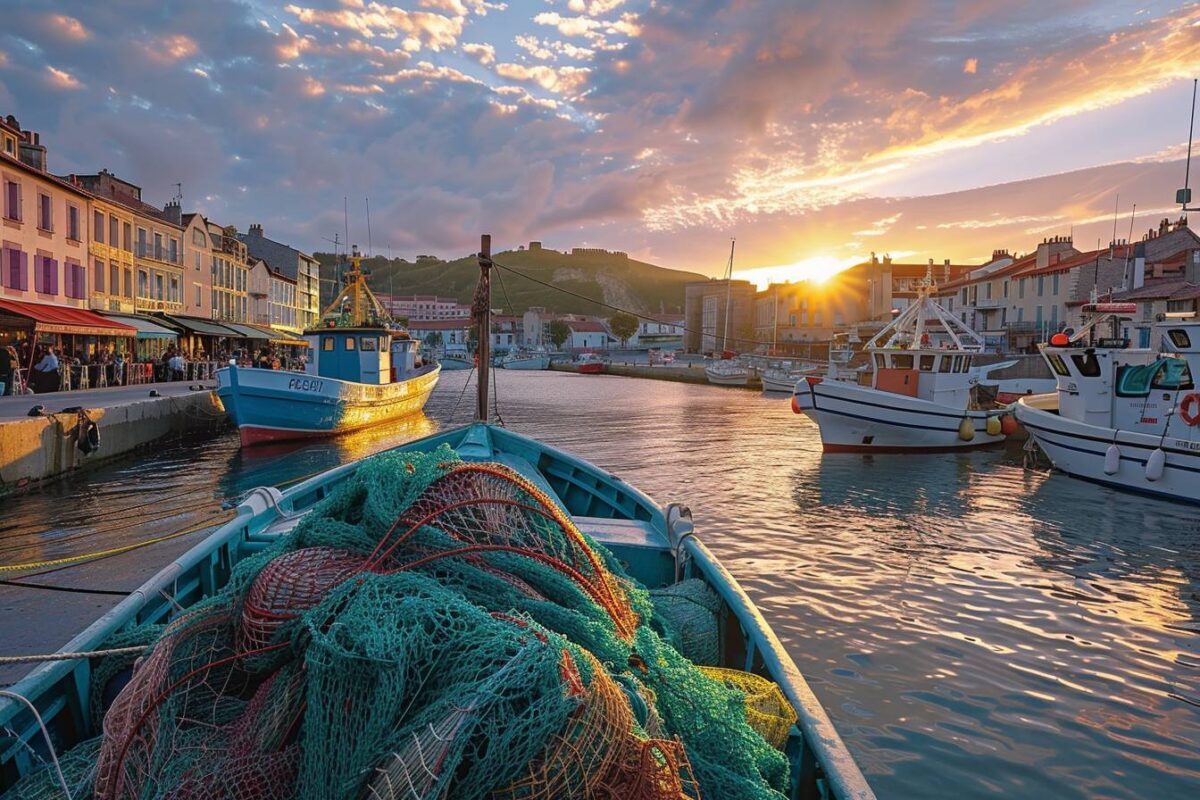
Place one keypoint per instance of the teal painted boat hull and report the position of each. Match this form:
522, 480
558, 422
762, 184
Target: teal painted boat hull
656, 544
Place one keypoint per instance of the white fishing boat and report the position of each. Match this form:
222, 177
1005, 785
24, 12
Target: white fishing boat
1123, 417
731, 373
529, 359
783, 378
918, 396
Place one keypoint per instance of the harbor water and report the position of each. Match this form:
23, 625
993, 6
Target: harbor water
974, 629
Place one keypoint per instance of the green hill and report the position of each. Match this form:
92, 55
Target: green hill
621, 281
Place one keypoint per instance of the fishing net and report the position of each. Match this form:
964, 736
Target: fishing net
434, 629
767, 710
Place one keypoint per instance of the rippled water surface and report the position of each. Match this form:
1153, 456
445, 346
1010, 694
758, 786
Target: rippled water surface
973, 629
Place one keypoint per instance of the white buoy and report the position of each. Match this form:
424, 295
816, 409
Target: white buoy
1112, 460
1155, 465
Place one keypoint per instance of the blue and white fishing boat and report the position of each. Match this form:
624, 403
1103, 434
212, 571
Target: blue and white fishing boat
656, 545
452, 360
528, 359
361, 371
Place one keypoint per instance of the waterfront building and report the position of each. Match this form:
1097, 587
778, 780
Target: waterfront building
272, 297
299, 267
157, 242
421, 307
197, 261
450, 334
230, 268
665, 330
589, 335
45, 238
705, 306
507, 332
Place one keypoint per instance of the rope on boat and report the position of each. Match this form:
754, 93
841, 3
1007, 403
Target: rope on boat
31, 659
112, 551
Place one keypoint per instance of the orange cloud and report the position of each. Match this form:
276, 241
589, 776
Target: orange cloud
69, 27
563, 80
970, 66
60, 79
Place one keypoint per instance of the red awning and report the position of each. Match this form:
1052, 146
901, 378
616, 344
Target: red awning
60, 319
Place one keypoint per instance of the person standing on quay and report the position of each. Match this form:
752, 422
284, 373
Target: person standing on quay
176, 365
8, 364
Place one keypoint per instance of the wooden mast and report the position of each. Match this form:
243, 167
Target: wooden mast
483, 316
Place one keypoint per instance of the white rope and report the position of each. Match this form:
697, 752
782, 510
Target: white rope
116, 651
45, 734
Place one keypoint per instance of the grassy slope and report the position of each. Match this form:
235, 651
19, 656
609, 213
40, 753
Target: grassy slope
644, 286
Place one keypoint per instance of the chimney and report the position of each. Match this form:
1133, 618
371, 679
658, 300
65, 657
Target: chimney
256, 230
1191, 267
172, 212
874, 260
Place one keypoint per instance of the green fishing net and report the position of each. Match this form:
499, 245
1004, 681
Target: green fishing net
433, 629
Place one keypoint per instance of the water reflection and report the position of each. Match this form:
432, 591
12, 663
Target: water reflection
974, 629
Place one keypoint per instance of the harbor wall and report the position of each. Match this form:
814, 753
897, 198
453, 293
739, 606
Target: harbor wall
41, 448
693, 373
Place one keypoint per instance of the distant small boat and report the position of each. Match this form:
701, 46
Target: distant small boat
731, 373
526, 360
456, 360
590, 364
783, 379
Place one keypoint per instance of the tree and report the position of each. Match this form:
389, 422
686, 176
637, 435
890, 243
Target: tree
623, 326
559, 333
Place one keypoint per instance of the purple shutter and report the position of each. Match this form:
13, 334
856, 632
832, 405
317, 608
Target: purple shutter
7, 257
99, 276
80, 281
22, 279
13, 211
51, 278
39, 274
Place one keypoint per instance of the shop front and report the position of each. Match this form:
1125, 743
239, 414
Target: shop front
84, 341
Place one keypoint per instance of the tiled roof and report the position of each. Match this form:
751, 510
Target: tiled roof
585, 326
46, 176
440, 324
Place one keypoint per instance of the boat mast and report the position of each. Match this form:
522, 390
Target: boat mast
482, 311
728, 288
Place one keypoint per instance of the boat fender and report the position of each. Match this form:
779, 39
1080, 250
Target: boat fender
796, 405
87, 437
1112, 459
1189, 409
966, 429
1155, 464
994, 427
1009, 425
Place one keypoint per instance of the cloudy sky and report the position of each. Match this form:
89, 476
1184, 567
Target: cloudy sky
815, 132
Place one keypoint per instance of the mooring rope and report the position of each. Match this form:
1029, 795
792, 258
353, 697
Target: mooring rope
45, 734
112, 551
114, 651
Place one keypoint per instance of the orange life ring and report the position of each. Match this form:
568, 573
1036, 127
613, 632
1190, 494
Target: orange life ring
1189, 409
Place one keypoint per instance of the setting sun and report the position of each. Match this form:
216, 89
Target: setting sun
816, 268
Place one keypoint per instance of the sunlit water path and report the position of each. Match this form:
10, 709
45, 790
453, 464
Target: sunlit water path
973, 629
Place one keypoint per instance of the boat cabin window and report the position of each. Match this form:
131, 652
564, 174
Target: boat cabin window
383, 343
367, 343
902, 361
349, 342
1134, 381
1087, 364
1173, 374
327, 344
927, 363
958, 364
1058, 365
966, 363
879, 364
1179, 338
945, 364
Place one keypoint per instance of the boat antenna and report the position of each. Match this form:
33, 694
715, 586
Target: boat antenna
481, 310
1129, 247
346, 217
1184, 195
1113, 243
728, 290
370, 252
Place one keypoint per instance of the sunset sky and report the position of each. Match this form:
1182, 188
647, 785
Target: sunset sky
814, 132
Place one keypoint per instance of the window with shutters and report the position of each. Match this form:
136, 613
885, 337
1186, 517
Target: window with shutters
45, 212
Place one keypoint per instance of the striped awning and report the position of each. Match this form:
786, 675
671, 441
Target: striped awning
146, 329
45, 318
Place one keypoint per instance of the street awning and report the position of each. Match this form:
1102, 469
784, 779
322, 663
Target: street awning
44, 318
246, 331
201, 326
279, 336
146, 329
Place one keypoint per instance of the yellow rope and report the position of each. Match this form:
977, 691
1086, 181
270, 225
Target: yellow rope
116, 550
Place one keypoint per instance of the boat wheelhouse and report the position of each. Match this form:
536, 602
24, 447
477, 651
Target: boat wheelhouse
918, 394
1122, 416
361, 370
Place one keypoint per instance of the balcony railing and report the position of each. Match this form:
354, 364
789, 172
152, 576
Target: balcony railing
147, 250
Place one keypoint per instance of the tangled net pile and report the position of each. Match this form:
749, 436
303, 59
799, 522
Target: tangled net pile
434, 629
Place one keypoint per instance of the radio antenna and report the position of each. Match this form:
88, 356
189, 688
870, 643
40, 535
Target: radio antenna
1184, 195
